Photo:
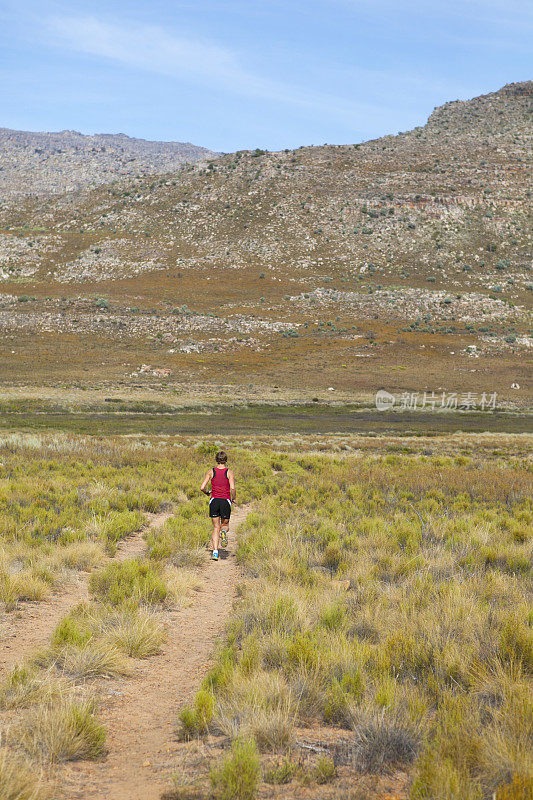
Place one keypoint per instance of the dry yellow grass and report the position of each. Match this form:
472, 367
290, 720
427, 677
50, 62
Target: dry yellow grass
18, 780
62, 731
385, 593
181, 584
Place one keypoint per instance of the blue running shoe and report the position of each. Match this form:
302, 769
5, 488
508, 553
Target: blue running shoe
215, 555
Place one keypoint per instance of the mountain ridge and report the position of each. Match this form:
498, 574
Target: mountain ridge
57, 161
411, 252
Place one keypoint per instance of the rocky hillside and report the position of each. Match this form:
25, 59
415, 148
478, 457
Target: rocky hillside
451, 196
420, 240
37, 163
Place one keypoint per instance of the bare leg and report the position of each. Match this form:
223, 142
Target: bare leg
216, 533
224, 523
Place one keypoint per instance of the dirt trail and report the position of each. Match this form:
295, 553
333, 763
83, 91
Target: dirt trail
30, 628
141, 714
134, 545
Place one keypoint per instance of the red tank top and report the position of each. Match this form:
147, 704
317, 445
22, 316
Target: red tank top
220, 484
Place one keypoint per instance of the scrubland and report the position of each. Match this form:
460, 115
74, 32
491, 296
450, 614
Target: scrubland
389, 599
380, 643
64, 507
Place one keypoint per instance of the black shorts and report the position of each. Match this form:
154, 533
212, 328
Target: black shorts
219, 507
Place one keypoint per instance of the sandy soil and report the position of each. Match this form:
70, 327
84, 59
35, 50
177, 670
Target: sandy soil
134, 545
140, 714
31, 626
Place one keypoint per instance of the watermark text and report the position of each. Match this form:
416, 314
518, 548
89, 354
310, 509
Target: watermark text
437, 401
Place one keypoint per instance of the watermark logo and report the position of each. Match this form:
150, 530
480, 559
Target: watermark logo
456, 401
384, 400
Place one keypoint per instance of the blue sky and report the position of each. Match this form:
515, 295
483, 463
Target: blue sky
244, 74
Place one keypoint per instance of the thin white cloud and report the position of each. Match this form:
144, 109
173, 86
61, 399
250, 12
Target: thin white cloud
147, 47
151, 48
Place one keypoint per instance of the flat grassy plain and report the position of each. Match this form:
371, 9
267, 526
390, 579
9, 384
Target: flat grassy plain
380, 645
252, 419
371, 354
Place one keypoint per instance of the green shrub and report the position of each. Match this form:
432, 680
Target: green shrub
443, 780
238, 777
71, 630
333, 617
281, 773
333, 557
195, 720
131, 581
219, 676
341, 698
446, 766
324, 770
188, 723
119, 524
516, 643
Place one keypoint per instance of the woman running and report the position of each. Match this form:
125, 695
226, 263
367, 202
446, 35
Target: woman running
222, 493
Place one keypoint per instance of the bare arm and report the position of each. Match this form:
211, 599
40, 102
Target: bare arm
232, 491
203, 487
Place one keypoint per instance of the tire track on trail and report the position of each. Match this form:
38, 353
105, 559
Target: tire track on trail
140, 714
31, 628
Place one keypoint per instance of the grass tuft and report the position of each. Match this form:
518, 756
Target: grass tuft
17, 780
384, 743
520, 788
24, 687
64, 731
196, 719
324, 770
130, 582
238, 777
181, 584
136, 634
92, 660
280, 773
